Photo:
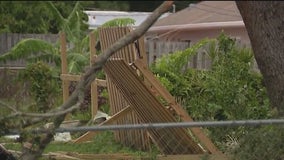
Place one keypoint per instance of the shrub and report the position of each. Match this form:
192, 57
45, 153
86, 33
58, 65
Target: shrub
261, 144
230, 90
44, 84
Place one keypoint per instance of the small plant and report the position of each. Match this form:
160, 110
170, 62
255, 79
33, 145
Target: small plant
44, 85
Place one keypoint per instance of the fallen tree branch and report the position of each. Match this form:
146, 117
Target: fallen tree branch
91, 73
5, 154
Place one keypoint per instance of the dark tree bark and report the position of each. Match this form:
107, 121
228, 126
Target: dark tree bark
4, 154
264, 21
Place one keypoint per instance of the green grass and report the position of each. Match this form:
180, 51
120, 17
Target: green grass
102, 143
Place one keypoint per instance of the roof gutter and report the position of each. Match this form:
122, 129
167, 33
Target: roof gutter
198, 26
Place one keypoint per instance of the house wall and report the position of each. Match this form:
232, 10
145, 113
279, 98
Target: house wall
196, 35
97, 18
200, 61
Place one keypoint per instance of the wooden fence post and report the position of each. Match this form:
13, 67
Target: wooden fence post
94, 85
64, 69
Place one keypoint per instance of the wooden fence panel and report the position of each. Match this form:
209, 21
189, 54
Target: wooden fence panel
156, 49
153, 48
8, 40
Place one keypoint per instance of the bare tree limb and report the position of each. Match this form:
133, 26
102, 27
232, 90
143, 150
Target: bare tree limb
45, 115
8, 106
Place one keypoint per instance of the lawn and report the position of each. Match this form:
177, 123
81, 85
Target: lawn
102, 143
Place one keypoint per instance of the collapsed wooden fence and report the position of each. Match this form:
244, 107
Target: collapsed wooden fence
147, 108
135, 100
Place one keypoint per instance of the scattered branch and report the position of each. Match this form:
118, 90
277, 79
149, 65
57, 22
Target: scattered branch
8, 106
5, 154
45, 115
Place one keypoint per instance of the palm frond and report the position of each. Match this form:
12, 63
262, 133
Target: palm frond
85, 44
119, 22
74, 22
26, 48
75, 67
73, 13
63, 23
77, 57
59, 18
48, 58
175, 62
77, 62
212, 49
86, 40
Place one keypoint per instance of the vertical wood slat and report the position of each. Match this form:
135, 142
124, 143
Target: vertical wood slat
129, 56
111, 89
64, 67
104, 43
117, 98
117, 33
143, 57
94, 86
141, 43
129, 49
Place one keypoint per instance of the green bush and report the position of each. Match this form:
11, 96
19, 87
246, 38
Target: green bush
230, 90
45, 86
261, 144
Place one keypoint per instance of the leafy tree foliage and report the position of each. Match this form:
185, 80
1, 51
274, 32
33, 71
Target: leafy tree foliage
36, 16
30, 16
21, 18
106, 5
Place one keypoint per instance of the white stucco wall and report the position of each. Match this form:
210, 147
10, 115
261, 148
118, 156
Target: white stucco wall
97, 18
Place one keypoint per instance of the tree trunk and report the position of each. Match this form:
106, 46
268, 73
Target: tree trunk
30, 152
264, 22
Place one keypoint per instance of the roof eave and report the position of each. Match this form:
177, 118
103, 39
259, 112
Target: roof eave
197, 26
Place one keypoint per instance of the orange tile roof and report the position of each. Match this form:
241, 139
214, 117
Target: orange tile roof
203, 12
